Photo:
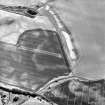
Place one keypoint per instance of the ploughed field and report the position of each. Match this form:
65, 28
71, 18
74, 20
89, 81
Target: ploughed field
85, 19
31, 69
33, 61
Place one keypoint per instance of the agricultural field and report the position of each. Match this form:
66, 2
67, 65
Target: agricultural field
31, 60
86, 21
